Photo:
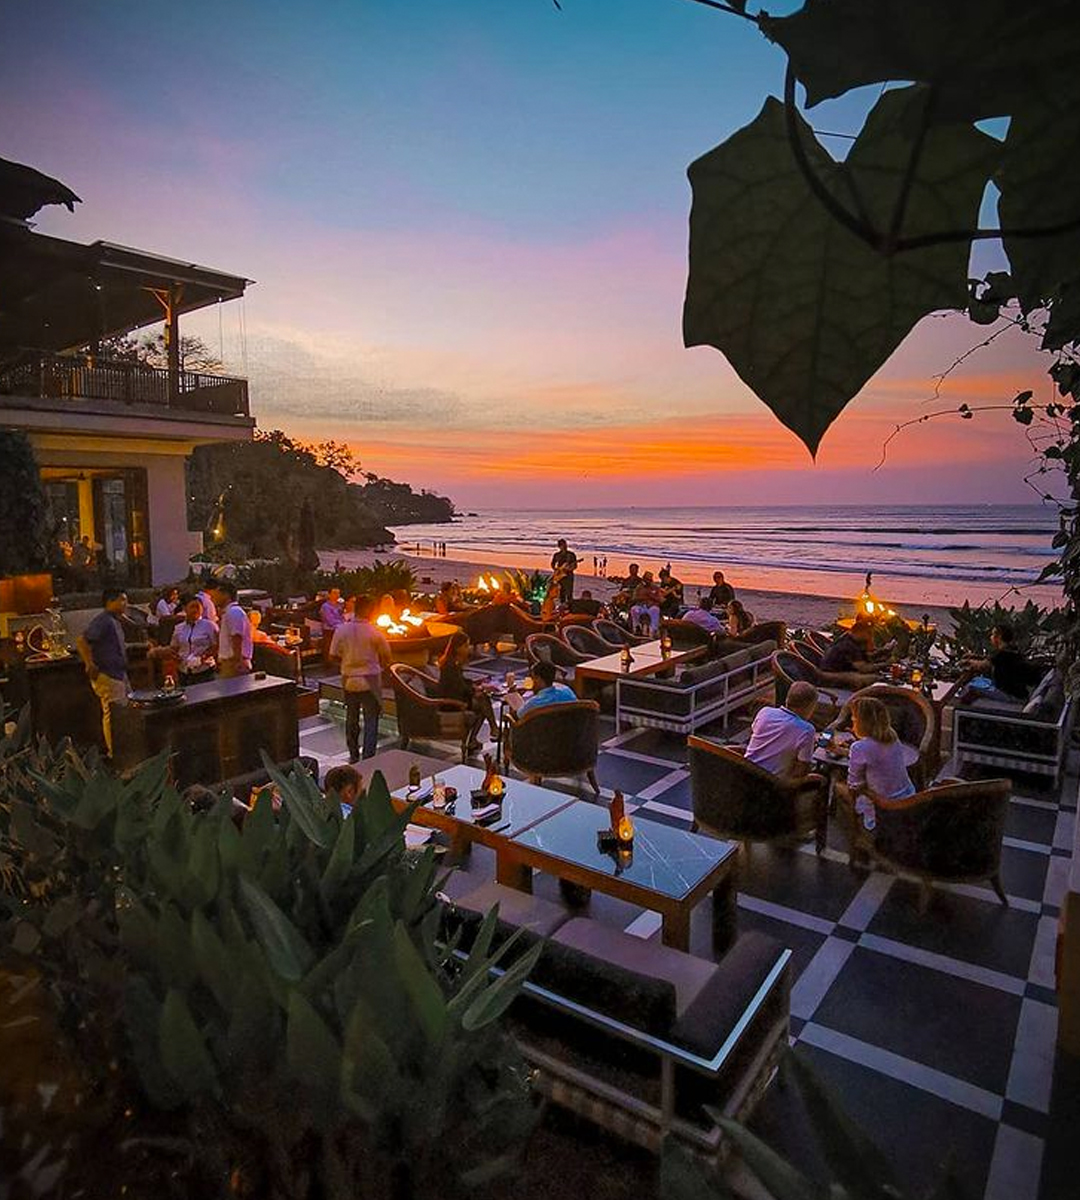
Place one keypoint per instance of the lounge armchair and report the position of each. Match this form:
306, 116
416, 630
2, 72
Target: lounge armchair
951, 833
698, 695
584, 640
789, 667
809, 651
819, 639
425, 716
546, 646
765, 631
1014, 735
734, 798
912, 717
636, 1037
487, 624
557, 739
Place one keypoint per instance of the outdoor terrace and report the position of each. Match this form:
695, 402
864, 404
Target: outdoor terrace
935, 1030
82, 382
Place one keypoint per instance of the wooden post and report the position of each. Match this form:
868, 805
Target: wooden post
172, 343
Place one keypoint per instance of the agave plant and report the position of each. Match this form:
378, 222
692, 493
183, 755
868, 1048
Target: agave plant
275, 996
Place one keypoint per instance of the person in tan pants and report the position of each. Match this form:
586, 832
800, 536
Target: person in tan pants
103, 650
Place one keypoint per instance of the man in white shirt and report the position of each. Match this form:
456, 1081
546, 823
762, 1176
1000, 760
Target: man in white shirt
782, 739
195, 643
234, 636
209, 608
363, 652
702, 616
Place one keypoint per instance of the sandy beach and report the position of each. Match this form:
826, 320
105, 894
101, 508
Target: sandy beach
799, 611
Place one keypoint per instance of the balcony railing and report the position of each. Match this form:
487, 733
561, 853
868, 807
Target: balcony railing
65, 377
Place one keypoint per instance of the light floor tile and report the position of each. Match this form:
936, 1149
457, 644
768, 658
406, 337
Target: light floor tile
1015, 1166
1065, 831
867, 900
645, 926
670, 809
1057, 881
820, 974
780, 912
1043, 969
1032, 1069
937, 1083
1031, 847
661, 785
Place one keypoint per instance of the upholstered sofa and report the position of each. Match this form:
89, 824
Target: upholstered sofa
1016, 735
699, 694
633, 1035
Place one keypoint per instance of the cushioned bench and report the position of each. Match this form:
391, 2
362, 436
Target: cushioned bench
634, 1035
699, 694
1015, 735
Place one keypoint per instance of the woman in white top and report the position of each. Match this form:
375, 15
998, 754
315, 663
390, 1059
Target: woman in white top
166, 606
876, 767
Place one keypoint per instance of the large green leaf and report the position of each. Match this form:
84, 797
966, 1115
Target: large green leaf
419, 985
493, 1001
182, 1049
219, 972
980, 55
1040, 189
805, 310
312, 1053
287, 951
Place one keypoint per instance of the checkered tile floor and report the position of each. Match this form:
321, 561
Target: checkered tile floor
935, 1030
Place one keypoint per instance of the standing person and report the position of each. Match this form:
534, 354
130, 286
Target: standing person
234, 632
565, 562
209, 608
364, 652
103, 650
194, 642
82, 560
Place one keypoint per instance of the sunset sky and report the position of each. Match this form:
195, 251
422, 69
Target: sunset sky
467, 226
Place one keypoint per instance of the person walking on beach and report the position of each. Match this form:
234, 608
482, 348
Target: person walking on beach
564, 562
363, 652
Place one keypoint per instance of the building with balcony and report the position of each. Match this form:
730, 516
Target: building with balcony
111, 436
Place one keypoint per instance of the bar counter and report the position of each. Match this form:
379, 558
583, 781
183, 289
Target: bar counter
217, 731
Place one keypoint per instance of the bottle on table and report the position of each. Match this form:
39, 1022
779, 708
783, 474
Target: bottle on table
414, 775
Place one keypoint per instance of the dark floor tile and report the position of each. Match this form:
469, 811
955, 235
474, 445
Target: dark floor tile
1030, 824
628, 774
953, 1025
662, 818
918, 1134
959, 926
1023, 872
801, 881
657, 743
803, 943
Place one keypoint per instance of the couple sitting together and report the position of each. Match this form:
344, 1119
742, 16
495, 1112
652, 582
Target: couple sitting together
782, 741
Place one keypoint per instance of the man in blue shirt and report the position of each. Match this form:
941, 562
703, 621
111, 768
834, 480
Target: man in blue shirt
103, 651
547, 690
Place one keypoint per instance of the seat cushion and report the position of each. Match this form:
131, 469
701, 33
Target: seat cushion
685, 973
709, 670
539, 917
705, 1025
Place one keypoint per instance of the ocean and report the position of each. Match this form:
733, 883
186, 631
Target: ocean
930, 554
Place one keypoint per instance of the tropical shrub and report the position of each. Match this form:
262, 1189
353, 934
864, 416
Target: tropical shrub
396, 575
1035, 628
263, 1011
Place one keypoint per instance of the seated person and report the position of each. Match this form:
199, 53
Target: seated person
721, 593
703, 617
671, 593
506, 594
346, 783
585, 605
331, 613
739, 620
547, 690
1013, 676
627, 587
387, 607
259, 636
851, 657
645, 608
449, 598
782, 739
876, 769
452, 685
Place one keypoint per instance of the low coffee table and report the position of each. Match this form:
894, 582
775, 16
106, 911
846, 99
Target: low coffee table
668, 870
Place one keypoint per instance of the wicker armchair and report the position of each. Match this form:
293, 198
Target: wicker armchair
950, 833
547, 646
766, 631
912, 717
808, 651
424, 716
788, 667
615, 635
820, 640
685, 635
734, 798
557, 739
583, 640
